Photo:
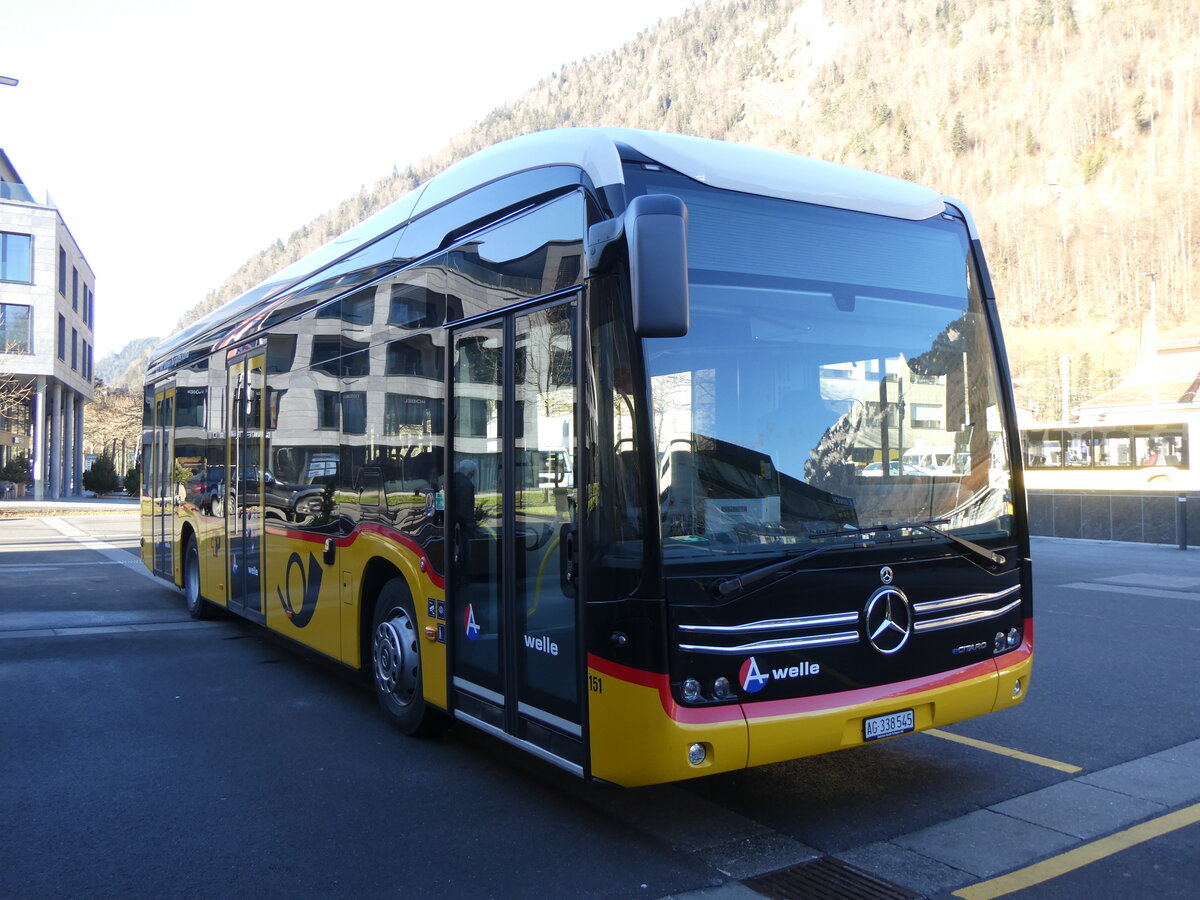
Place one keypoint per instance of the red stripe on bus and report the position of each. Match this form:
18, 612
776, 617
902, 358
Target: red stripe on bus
766, 709
797, 705
688, 715
346, 540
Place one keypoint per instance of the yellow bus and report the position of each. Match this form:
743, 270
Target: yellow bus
566, 445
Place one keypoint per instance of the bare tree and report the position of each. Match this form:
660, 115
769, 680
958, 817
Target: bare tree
113, 420
15, 391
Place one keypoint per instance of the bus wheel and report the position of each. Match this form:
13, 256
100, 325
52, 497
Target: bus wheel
396, 661
196, 606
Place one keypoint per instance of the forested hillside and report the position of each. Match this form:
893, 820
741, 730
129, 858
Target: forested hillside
126, 368
1068, 126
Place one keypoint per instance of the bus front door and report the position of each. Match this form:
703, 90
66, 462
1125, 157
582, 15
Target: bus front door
243, 484
511, 529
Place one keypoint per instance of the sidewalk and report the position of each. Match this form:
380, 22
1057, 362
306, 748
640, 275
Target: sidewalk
72, 506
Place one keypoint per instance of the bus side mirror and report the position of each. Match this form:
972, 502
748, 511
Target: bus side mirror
656, 232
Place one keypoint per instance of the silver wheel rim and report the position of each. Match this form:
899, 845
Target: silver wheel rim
191, 577
396, 657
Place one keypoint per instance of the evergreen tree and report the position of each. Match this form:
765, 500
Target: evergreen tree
17, 470
101, 478
958, 136
133, 481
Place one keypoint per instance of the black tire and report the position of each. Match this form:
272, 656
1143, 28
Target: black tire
396, 662
197, 606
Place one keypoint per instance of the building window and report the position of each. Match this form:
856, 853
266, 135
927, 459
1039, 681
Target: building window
408, 414
354, 412
16, 257
340, 357
74, 349
75, 289
402, 359
928, 415
87, 306
62, 337
62, 271
15, 330
329, 410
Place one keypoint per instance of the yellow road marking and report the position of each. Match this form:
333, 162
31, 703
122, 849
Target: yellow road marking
1081, 856
1005, 751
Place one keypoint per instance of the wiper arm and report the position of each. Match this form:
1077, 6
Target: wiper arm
724, 587
931, 525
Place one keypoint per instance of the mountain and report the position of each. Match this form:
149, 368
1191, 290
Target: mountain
127, 367
1068, 127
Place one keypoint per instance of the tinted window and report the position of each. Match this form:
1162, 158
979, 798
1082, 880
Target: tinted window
414, 303
354, 412
532, 254
16, 253
329, 409
189, 406
340, 357
14, 329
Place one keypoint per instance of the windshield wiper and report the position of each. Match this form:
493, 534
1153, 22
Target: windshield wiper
724, 587
930, 525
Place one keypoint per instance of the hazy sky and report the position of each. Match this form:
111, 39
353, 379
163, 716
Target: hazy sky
178, 140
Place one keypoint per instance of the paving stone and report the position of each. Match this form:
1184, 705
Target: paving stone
1184, 755
986, 843
746, 857
1079, 809
1154, 779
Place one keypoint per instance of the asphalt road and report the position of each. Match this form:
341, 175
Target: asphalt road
147, 755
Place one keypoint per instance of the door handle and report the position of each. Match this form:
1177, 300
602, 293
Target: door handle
568, 568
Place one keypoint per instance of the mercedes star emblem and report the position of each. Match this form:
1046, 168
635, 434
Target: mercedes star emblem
888, 620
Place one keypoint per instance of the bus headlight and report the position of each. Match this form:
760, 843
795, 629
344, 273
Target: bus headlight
697, 754
691, 690
1014, 637
721, 689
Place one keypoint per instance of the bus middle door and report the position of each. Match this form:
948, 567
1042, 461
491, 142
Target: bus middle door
243, 485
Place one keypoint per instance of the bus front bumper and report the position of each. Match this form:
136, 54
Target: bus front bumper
640, 735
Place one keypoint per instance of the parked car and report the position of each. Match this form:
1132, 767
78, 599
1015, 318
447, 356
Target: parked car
292, 502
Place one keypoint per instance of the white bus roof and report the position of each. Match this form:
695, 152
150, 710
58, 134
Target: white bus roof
721, 164
597, 152
737, 167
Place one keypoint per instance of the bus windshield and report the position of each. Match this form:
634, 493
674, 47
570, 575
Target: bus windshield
837, 374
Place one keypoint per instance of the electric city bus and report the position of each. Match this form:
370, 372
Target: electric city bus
571, 444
